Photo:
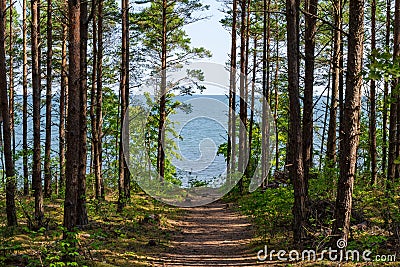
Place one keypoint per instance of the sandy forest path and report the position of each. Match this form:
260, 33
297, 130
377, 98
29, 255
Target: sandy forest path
211, 235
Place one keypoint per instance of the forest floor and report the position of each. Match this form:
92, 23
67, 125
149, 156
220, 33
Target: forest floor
211, 235
146, 233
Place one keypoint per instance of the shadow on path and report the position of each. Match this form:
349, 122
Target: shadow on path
211, 235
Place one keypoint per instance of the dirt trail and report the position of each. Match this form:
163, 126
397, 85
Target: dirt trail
212, 235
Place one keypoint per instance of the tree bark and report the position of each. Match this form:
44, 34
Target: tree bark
231, 159
99, 104
276, 89
8, 155
11, 76
25, 101
36, 168
73, 118
331, 145
394, 106
308, 110
385, 94
372, 123
82, 218
163, 91
351, 122
47, 165
253, 84
127, 178
246, 159
63, 93
242, 87
96, 96
295, 159
124, 181
266, 89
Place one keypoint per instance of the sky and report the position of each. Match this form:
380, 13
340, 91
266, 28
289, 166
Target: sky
210, 34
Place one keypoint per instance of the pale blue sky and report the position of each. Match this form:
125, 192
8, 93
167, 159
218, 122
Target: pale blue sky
210, 34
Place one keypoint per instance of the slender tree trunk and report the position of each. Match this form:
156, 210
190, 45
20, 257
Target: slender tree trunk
394, 118
327, 104
99, 102
295, 159
276, 91
124, 89
348, 154
385, 94
162, 96
9, 163
242, 87
372, 123
25, 101
231, 159
246, 162
266, 89
73, 118
11, 77
308, 110
253, 82
82, 218
127, 178
93, 109
394, 105
47, 165
331, 145
341, 88
36, 168
63, 92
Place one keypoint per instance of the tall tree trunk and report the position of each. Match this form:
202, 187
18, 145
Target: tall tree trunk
11, 77
127, 178
36, 168
231, 159
394, 127
246, 94
63, 92
162, 96
295, 159
372, 123
25, 101
385, 94
351, 122
124, 89
331, 145
276, 92
253, 83
73, 118
242, 87
47, 149
99, 102
341, 87
394, 105
93, 108
327, 104
62, 107
8, 154
82, 218
265, 86
309, 51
